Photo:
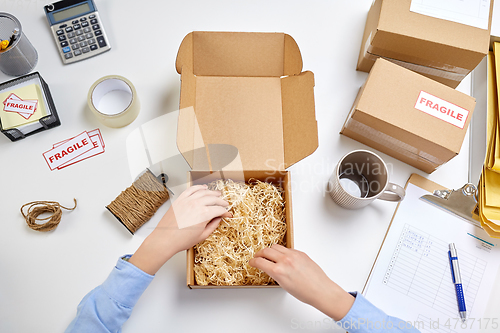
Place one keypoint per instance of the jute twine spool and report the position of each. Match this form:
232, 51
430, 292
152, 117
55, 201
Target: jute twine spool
36, 208
138, 203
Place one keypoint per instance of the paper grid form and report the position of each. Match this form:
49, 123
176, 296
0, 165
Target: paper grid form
429, 325
475, 13
420, 269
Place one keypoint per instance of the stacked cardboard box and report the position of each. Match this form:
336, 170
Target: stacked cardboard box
421, 121
410, 117
442, 50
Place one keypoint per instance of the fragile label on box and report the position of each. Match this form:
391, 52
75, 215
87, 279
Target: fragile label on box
475, 13
442, 109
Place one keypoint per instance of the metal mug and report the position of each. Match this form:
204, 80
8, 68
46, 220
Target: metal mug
359, 178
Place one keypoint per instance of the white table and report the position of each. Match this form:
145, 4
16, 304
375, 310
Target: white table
45, 275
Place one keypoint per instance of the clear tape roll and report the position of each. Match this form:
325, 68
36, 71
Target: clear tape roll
114, 101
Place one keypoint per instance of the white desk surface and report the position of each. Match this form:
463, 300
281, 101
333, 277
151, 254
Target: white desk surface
45, 275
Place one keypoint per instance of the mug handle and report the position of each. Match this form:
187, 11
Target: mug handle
393, 192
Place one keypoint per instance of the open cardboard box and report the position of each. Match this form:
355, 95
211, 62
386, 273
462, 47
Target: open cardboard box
247, 111
409, 117
442, 50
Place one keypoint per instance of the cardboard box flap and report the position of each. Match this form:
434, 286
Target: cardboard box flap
261, 115
300, 129
292, 57
270, 121
185, 54
243, 54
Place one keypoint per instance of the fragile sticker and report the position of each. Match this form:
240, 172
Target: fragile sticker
68, 151
25, 108
444, 110
97, 147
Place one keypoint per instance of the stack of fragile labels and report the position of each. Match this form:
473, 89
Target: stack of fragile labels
489, 184
26, 107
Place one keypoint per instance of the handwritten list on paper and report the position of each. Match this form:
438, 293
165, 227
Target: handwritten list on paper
475, 13
420, 269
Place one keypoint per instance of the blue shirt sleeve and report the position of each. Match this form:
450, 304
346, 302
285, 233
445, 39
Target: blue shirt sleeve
107, 307
364, 317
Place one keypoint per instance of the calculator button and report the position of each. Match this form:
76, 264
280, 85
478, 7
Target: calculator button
83, 19
93, 47
85, 24
72, 41
68, 55
63, 26
92, 16
74, 22
79, 32
94, 21
59, 32
95, 26
69, 29
66, 49
63, 44
98, 32
89, 35
77, 52
76, 26
85, 50
82, 44
71, 35
81, 38
87, 30
75, 46
101, 41
91, 41
62, 38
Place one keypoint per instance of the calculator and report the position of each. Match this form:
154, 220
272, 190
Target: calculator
77, 29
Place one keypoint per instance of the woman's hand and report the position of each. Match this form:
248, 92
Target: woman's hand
304, 279
191, 219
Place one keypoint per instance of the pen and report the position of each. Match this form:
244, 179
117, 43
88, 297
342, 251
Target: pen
457, 280
15, 33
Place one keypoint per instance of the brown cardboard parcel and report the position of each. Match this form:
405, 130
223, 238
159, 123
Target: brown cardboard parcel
409, 117
246, 91
442, 50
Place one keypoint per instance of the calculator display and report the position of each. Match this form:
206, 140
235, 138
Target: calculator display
70, 12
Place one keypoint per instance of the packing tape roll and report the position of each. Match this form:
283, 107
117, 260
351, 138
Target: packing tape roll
113, 100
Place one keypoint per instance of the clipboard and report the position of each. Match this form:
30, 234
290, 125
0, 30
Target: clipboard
408, 277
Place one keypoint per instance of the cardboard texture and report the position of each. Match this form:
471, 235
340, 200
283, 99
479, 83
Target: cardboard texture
386, 117
244, 91
442, 50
